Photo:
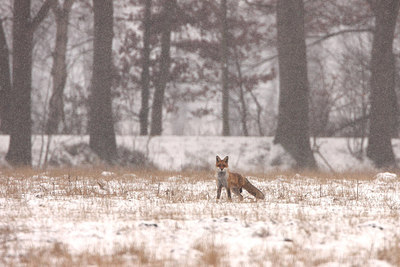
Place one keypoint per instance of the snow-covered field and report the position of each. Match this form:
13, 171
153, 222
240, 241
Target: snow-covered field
169, 217
97, 217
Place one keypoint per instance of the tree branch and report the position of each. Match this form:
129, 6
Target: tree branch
348, 124
258, 4
320, 40
56, 8
333, 34
41, 15
59, 10
373, 4
68, 4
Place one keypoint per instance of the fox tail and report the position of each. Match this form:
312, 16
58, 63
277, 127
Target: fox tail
253, 190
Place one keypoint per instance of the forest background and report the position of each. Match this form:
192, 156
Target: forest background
242, 68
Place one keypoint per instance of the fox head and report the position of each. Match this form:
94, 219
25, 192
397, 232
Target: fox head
221, 164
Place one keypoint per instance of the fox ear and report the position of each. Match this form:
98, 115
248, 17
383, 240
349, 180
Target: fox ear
218, 159
226, 159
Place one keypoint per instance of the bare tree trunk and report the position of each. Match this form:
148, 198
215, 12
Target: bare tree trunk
383, 98
59, 70
145, 79
5, 83
293, 129
165, 62
101, 125
259, 111
224, 69
241, 96
19, 151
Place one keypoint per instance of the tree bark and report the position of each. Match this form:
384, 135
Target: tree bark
383, 98
5, 83
101, 125
20, 151
293, 122
164, 75
145, 79
224, 69
59, 69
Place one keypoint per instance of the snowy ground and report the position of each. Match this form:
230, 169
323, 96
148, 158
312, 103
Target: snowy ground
169, 217
249, 154
155, 218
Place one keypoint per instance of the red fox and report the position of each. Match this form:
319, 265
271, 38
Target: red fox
234, 181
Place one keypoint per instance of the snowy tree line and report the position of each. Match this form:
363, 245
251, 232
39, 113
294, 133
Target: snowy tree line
293, 69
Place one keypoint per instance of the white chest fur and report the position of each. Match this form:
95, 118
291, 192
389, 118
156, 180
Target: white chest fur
222, 178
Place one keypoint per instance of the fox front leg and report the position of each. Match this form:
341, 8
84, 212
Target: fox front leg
228, 190
219, 191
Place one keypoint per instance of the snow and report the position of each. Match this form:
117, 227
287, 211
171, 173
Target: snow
385, 177
279, 157
177, 220
119, 217
249, 154
106, 173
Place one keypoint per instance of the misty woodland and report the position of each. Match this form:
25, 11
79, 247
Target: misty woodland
296, 70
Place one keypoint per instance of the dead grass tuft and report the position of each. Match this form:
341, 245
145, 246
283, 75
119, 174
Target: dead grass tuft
391, 252
138, 254
211, 253
59, 255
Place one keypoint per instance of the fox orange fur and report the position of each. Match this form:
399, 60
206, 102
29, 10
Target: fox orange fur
233, 181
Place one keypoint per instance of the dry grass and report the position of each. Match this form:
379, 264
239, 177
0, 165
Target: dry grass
211, 253
89, 182
59, 255
159, 175
175, 187
391, 252
320, 175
